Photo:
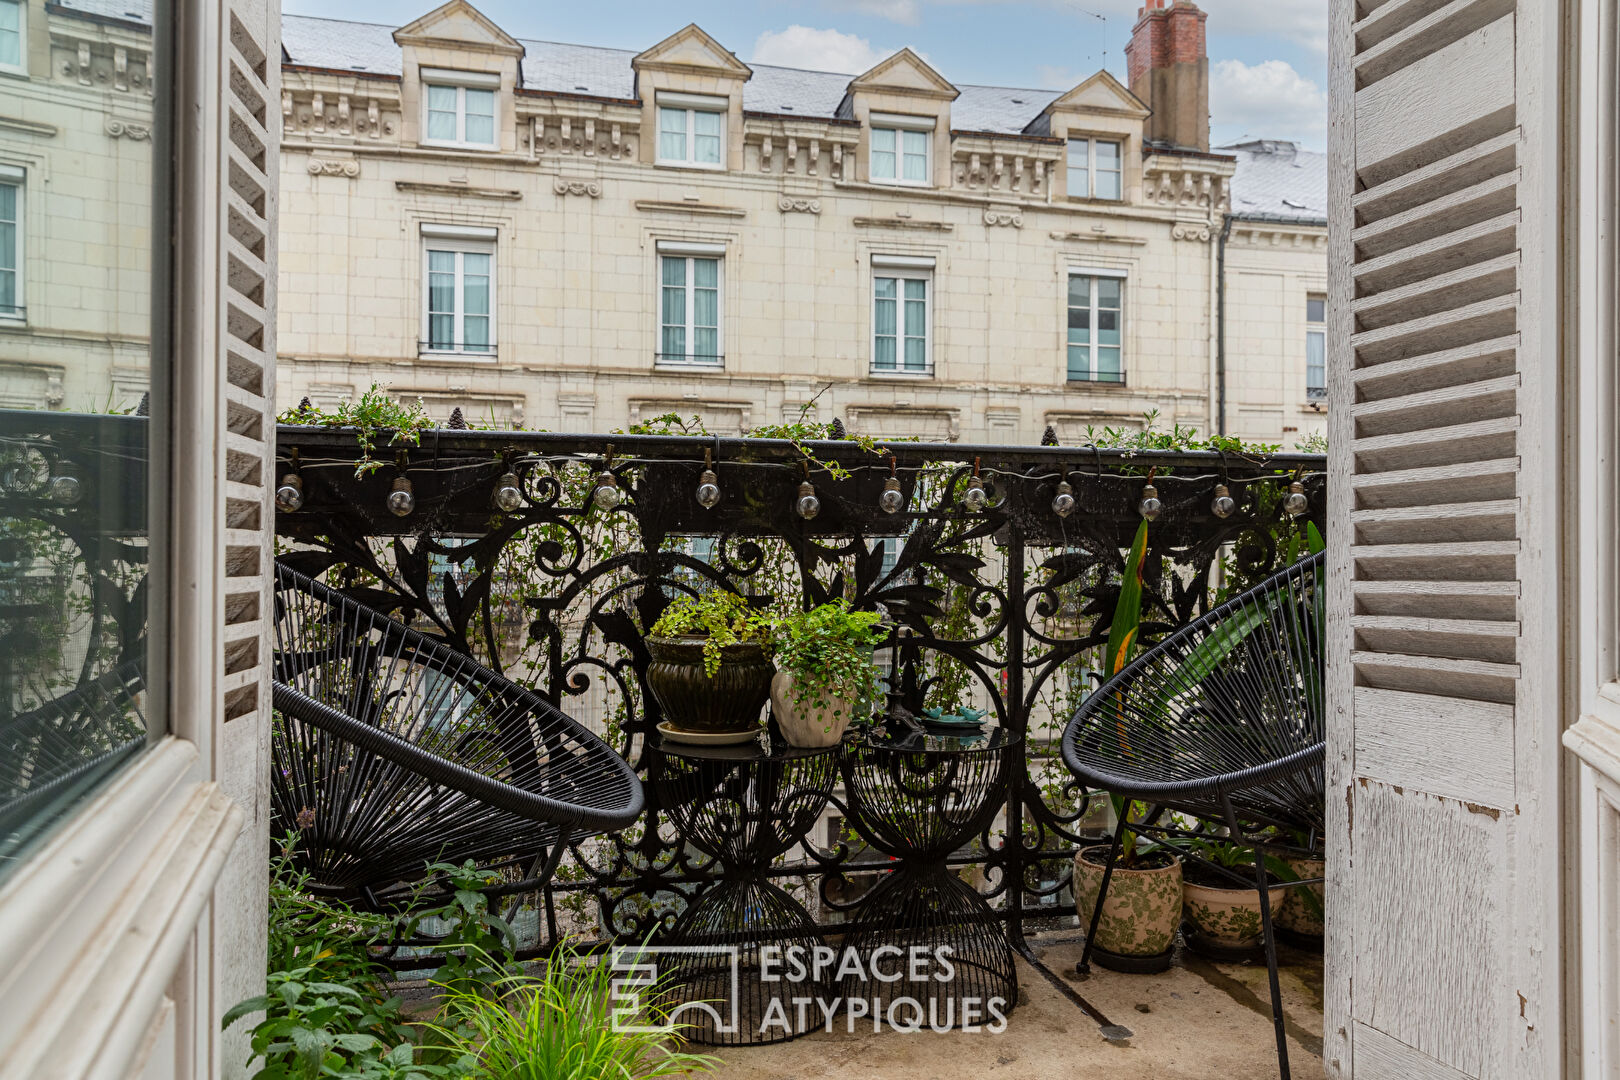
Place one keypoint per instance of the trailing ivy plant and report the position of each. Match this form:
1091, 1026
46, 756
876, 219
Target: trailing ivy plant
828, 651
372, 414
721, 618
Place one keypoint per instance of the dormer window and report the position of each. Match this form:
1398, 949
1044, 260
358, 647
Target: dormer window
900, 149
691, 131
1095, 169
459, 108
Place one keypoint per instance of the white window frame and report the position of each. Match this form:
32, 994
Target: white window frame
11, 176
1316, 329
903, 268
461, 82
900, 124
21, 66
1090, 171
689, 252
1094, 272
691, 105
463, 240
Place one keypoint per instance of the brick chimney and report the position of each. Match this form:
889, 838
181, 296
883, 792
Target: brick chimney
1169, 71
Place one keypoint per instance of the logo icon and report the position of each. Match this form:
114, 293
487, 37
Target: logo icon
640, 967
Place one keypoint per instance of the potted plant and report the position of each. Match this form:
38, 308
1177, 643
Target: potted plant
710, 672
824, 671
1137, 929
1302, 912
1225, 915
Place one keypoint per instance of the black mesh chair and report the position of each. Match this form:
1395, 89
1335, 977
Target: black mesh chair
393, 751
1222, 720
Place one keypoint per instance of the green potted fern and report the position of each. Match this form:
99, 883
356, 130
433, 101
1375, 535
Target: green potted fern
824, 671
710, 672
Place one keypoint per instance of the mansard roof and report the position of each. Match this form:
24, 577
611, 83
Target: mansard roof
1277, 181
554, 67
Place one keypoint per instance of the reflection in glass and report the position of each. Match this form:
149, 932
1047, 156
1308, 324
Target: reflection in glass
77, 281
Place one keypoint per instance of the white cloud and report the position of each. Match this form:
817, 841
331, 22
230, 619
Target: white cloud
817, 50
1304, 22
1268, 100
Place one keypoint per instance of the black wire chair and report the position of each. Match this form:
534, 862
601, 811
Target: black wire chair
1223, 719
393, 751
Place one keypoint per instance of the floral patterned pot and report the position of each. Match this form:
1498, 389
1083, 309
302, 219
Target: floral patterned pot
1296, 915
1143, 908
1226, 916
806, 721
692, 701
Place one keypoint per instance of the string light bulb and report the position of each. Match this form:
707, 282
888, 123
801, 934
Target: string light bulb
807, 506
65, 487
1150, 507
607, 494
402, 499
1295, 502
974, 498
1063, 502
290, 494
892, 500
508, 493
708, 489
1223, 505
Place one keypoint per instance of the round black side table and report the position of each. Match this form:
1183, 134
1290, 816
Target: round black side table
743, 807
918, 799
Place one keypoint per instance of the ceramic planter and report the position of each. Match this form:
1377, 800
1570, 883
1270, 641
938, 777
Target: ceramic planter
1143, 908
692, 701
1227, 916
808, 722
1295, 915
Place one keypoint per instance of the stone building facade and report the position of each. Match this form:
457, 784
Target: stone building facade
570, 237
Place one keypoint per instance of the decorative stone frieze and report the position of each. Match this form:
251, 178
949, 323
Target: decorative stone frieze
1198, 233
1004, 216
320, 167
128, 129
1172, 180
592, 188
789, 205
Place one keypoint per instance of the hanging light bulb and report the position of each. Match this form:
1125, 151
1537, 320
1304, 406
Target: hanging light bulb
1222, 506
974, 497
1063, 503
1150, 506
290, 495
708, 489
508, 493
1295, 503
607, 493
808, 505
65, 487
892, 500
402, 499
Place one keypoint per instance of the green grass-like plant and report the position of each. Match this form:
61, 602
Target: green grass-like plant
562, 1024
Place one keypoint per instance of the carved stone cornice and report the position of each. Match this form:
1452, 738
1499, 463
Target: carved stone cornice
1100, 238
319, 167
27, 127
789, 205
707, 209
901, 223
592, 188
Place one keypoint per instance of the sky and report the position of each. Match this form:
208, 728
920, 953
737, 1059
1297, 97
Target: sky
1268, 58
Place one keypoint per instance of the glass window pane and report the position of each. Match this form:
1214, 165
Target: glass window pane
1080, 152
1079, 362
442, 126
442, 98
674, 346
1108, 185
675, 306
474, 262
1108, 292
706, 150
1108, 328
705, 307
916, 354
672, 134
441, 292
916, 289
706, 123
1315, 309
480, 103
480, 130
884, 287
706, 344
705, 273
441, 331
883, 140
1107, 155
1108, 365
475, 328
674, 270
883, 354
80, 218
1079, 290
916, 318
916, 155
442, 262
1079, 324
883, 154
475, 294
883, 317
1079, 168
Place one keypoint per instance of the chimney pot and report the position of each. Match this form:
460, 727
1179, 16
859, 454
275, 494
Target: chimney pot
1169, 70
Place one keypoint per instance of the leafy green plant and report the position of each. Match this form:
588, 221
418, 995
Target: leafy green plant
371, 415
475, 945
1123, 629
828, 651
1228, 855
564, 1024
720, 617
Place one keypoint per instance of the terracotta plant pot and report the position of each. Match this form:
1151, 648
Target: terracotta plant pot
1227, 915
808, 722
692, 701
1143, 908
1295, 915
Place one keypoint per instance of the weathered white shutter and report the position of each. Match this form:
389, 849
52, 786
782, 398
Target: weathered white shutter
1438, 933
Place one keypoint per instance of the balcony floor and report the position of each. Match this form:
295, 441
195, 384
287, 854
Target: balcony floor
1198, 1020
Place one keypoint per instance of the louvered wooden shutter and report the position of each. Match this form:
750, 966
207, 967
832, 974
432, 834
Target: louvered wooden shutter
1429, 972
